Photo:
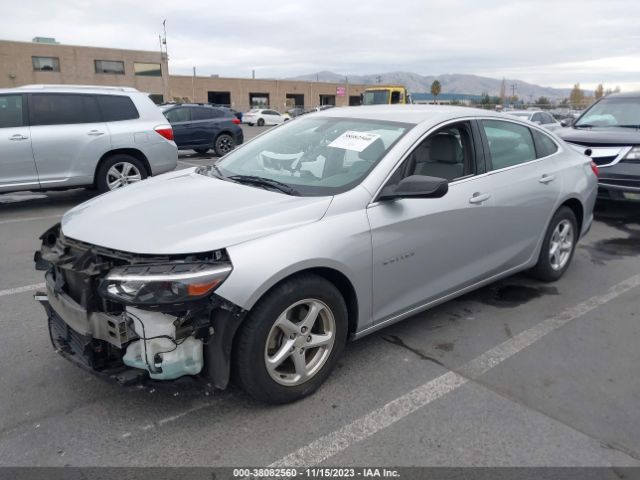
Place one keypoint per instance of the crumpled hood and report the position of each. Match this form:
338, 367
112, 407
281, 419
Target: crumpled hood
600, 136
184, 212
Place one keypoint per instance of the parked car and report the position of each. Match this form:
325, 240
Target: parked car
544, 119
67, 136
327, 228
260, 117
609, 132
201, 127
293, 113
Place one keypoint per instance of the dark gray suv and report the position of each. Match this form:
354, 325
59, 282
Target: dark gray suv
201, 127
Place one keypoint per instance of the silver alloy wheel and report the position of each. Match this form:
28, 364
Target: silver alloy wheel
121, 174
225, 144
300, 342
561, 245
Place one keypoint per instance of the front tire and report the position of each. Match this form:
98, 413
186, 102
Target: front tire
557, 247
224, 144
118, 171
291, 340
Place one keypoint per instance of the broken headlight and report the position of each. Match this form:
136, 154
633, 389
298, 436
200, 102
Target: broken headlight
163, 284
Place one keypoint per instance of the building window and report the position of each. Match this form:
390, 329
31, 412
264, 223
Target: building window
259, 100
110, 66
147, 69
46, 64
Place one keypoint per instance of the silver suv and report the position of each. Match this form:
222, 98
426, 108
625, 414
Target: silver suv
57, 136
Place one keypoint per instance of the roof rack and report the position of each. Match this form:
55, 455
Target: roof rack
74, 87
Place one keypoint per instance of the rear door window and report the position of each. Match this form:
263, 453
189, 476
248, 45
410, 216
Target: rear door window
116, 108
11, 112
63, 109
204, 113
509, 143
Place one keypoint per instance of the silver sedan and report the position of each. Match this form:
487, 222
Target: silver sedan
326, 228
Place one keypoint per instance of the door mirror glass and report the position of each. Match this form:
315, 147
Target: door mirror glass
416, 186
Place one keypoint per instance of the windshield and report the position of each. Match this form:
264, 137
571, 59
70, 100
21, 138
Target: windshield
315, 156
376, 97
612, 112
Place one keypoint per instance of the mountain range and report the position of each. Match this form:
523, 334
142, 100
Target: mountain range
451, 83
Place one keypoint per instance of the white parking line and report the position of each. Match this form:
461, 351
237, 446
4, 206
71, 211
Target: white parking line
27, 219
385, 416
26, 288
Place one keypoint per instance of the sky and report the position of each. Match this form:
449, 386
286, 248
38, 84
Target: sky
551, 43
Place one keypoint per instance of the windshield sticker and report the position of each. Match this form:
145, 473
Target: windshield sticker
356, 141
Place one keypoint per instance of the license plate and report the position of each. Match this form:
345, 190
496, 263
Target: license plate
631, 195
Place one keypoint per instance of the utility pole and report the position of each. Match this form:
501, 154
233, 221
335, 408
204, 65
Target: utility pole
165, 75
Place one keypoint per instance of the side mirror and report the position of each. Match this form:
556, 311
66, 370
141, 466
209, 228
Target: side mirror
416, 186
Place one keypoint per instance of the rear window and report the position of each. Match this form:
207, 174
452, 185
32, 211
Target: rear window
63, 109
116, 107
544, 145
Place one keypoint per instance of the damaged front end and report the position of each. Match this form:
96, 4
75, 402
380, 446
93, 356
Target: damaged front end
131, 316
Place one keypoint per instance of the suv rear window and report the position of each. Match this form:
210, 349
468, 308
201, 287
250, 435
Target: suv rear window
116, 107
62, 109
205, 113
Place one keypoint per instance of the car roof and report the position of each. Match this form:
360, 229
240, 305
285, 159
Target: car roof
70, 89
408, 113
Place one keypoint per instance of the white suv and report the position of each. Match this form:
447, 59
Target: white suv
67, 136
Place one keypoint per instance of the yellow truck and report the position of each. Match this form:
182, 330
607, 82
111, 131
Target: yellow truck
386, 95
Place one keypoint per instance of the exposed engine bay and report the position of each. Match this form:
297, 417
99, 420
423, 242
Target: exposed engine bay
131, 316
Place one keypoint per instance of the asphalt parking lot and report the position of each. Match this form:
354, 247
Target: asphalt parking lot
515, 374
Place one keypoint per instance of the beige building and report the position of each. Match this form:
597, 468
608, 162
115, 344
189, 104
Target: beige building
47, 62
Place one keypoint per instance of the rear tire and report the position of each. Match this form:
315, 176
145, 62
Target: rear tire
118, 171
557, 247
201, 151
291, 340
261, 122
224, 144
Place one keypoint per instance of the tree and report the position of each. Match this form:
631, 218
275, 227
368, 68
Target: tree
436, 88
599, 92
503, 90
543, 101
576, 97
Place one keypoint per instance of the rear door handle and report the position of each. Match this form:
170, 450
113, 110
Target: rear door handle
479, 197
18, 136
95, 133
547, 178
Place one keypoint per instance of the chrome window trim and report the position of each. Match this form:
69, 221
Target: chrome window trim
373, 202
623, 150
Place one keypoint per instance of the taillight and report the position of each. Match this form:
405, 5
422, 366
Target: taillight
595, 169
165, 130
236, 121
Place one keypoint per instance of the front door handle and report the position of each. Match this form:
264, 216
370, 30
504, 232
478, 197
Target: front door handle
95, 133
18, 136
479, 197
547, 178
